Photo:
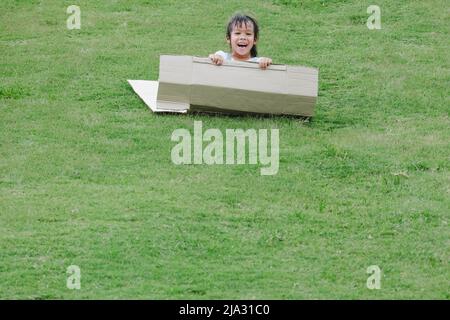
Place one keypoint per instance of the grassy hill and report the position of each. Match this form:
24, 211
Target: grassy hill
86, 176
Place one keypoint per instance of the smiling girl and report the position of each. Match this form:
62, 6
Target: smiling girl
242, 35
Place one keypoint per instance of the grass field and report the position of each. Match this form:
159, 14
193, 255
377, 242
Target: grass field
86, 176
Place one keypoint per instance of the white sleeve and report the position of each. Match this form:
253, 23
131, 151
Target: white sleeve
224, 55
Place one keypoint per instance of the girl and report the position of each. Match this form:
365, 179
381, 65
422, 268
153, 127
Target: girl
242, 34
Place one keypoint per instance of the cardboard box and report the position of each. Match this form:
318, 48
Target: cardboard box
189, 84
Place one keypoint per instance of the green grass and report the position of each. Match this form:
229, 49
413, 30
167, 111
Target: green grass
86, 176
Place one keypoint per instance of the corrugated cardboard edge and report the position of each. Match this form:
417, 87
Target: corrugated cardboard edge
255, 65
147, 91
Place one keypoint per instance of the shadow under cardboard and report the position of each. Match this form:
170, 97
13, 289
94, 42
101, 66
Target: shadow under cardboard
217, 112
147, 91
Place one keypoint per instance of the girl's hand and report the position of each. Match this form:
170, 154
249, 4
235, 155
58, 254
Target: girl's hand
216, 59
264, 62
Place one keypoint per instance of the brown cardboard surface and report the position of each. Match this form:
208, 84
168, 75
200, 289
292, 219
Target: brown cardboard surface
189, 83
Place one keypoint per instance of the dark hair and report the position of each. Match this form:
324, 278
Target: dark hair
238, 19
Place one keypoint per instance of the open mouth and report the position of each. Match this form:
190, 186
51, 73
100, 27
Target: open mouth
242, 45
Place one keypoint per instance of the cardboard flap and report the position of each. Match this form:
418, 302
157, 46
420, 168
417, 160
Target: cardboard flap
244, 64
147, 91
175, 69
172, 105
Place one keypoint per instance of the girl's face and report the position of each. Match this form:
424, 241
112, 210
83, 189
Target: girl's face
242, 39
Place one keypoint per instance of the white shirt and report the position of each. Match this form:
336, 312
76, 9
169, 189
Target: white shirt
229, 57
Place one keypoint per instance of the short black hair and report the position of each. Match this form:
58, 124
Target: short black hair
238, 19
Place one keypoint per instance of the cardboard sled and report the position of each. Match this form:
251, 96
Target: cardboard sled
189, 84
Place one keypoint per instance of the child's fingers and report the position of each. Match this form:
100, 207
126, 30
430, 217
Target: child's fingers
216, 59
265, 62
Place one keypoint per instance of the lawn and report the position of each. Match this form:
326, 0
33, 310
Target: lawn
86, 177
